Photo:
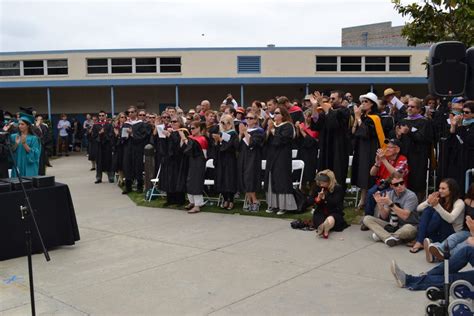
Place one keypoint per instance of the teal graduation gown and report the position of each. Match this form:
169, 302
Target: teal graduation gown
28, 163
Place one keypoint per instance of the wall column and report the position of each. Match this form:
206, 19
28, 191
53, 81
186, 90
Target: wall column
112, 100
176, 91
242, 95
48, 93
307, 89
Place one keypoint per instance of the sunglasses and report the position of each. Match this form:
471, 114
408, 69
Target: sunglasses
250, 118
398, 183
123, 117
141, 114
277, 113
193, 128
365, 101
466, 112
223, 123
152, 117
174, 121
165, 117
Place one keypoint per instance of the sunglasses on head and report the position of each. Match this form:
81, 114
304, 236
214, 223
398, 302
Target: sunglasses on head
397, 184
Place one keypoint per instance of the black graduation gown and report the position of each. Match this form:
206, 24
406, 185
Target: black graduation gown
225, 164
196, 167
308, 152
333, 142
92, 146
465, 134
174, 169
133, 151
117, 155
249, 162
104, 141
416, 146
42, 133
279, 159
366, 145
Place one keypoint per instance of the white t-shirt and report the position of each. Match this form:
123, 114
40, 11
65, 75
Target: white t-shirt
63, 125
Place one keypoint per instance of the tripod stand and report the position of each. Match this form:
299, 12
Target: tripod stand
28, 217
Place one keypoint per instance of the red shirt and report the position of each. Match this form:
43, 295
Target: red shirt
400, 164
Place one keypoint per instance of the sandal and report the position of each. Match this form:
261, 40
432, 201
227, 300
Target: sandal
411, 243
230, 206
189, 206
416, 249
225, 205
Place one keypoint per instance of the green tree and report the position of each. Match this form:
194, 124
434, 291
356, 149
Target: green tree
438, 20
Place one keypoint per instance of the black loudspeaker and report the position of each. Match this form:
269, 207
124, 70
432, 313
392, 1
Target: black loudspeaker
447, 69
470, 78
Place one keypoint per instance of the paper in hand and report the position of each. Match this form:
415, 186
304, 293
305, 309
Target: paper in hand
225, 137
124, 132
161, 128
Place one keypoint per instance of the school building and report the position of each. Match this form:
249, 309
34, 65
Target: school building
85, 81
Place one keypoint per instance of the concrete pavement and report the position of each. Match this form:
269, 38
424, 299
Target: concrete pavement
147, 261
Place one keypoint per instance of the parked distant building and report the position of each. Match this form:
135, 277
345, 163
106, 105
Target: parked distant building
373, 35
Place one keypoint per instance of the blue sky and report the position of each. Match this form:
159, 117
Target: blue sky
86, 24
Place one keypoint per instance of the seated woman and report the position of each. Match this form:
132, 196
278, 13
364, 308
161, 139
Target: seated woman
329, 211
443, 214
457, 240
195, 149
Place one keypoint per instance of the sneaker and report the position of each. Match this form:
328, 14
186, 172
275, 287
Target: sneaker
254, 208
271, 210
436, 252
392, 241
426, 246
281, 212
375, 237
400, 276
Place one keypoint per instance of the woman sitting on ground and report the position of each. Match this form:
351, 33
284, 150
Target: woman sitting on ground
443, 214
329, 208
195, 149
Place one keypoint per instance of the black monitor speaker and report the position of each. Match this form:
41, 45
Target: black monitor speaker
470, 78
447, 74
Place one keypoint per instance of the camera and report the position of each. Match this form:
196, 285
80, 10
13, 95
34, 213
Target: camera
384, 185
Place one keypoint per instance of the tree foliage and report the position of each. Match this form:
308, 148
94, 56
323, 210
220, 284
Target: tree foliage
438, 20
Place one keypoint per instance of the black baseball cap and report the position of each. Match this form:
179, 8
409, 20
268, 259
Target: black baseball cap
393, 141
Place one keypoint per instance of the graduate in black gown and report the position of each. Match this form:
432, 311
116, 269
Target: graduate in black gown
367, 141
135, 135
278, 181
249, 161
173, 172
118, 146
195, 150
333, 127
416, 134
226, 144
42, 131
91, 144
103, 135
308, 144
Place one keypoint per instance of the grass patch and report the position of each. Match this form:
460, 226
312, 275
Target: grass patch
352, 215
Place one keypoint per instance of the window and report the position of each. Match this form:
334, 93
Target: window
375, 63
9, 68
144, 65
121, 65
97, 66
326, 63
170, 64
399, 63
57, 67
33, 68
351, 63
248, 64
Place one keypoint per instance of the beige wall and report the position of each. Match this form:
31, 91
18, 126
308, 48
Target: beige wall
223, 63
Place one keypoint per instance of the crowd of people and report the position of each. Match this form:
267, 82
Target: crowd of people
391, 146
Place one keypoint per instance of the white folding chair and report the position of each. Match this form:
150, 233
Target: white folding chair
155, 186
210, 183
294, 153
297, 165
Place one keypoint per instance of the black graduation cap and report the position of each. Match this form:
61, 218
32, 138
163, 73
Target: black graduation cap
28, 110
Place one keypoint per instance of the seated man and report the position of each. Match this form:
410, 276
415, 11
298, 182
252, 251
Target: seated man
387, 162
435, 277
397, 216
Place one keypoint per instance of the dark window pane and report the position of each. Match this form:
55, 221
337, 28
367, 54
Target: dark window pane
97, 70
10, 64
97, 62
350, 67
326, 60
399, 67
32, 63
9, 72
170, 61
326, 67
145, 61
57, 71
374, 67
170, 68
351, 60
33, 71
142, 69
375, 60
57, 63
121, 70
400, 59
122, 61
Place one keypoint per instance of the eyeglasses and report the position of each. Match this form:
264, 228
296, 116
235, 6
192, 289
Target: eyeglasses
466, 112
250, 118
398, 183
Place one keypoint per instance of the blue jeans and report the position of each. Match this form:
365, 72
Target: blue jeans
433, 226
370, 201
455, 241
435, 277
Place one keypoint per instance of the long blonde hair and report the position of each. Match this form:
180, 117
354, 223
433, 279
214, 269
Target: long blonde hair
332, 178
226, 118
